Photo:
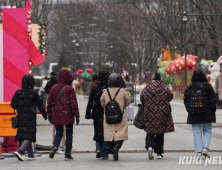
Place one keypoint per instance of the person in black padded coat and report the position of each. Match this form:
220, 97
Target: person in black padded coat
25, 101
97, 110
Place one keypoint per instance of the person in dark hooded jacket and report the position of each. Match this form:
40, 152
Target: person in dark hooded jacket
64, 112
158, 119
95, 110
201, 122
25, 101
52, 81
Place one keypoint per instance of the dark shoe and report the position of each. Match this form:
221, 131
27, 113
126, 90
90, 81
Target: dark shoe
19, 156
219, 107
68, 158
160, 156
104, 158
205, 153
98, 154
31, 158
53, 152
115, 154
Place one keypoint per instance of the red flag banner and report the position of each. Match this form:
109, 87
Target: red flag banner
28, 6
34, 55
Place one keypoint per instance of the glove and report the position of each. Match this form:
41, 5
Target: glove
77, 121
50, 119
45, 117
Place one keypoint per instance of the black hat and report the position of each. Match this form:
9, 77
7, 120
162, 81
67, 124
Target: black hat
156, 76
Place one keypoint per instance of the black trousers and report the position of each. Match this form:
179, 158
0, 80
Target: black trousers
59, 135
156, 142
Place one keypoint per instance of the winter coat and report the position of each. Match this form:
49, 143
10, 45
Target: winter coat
209, 115
51, 82
218, 86
66, 107
97, 110
25, 101
157, 110
117, 131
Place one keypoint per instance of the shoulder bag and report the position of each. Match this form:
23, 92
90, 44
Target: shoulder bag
15, 122
53, 103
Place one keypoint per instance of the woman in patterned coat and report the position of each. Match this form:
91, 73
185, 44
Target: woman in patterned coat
157, 115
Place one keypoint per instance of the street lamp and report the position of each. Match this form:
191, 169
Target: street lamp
185, 19
76, 43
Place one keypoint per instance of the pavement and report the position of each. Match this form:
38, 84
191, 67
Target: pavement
181, 139
129, 161
133, 154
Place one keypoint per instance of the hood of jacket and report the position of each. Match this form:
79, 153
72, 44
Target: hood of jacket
28, 82
155, 87
115, 80
198, 76
65, 77
104, 76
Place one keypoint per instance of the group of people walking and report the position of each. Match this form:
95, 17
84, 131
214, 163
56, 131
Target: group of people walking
107, 104
199, 100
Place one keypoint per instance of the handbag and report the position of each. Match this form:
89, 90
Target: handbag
53, 103
15, 121
139, 119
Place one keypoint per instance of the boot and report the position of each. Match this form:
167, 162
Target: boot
116, 150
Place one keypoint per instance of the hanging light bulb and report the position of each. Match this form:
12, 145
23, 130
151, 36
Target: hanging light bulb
29, 28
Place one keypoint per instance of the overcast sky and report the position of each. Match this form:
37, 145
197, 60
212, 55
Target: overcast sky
66, 1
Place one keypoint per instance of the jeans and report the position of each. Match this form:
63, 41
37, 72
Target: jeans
156, 142
198, 130
26, 145
105, 149
69, 137
99, 146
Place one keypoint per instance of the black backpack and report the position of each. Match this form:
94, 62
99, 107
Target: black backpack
112, 110
197, 102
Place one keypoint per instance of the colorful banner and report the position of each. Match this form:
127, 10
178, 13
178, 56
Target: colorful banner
15, 49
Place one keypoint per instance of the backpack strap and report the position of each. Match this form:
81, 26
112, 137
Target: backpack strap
109, 95
117, 93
